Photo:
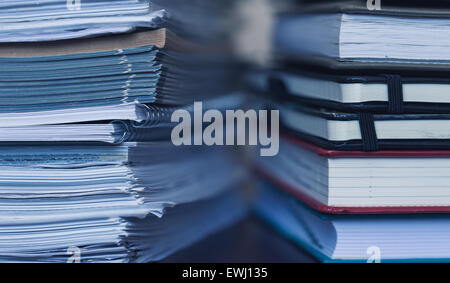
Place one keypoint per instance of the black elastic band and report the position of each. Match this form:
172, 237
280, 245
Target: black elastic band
368, 132
395, 93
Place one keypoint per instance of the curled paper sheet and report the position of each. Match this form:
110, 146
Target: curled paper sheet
61, 19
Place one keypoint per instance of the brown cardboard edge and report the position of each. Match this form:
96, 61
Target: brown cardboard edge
160, 38
86, 45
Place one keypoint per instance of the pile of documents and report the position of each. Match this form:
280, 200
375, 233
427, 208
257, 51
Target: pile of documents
47, 20
88, 169
363, 169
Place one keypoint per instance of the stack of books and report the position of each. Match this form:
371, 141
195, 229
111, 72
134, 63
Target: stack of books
363, 169
88, 169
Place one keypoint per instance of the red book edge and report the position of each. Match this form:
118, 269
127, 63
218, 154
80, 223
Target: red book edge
325, 209
385, 153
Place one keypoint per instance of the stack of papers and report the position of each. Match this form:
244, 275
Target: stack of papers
48, 20
115, 78
102, 199
88, 170
365, 118
107, 78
